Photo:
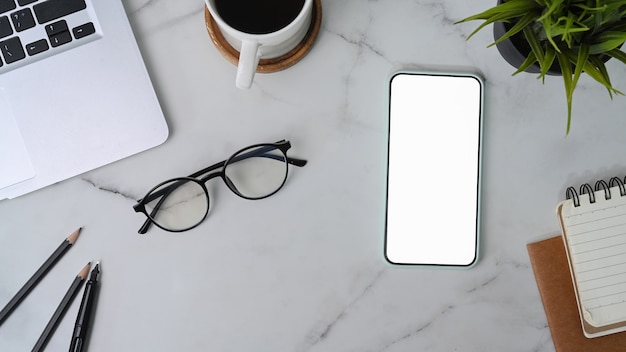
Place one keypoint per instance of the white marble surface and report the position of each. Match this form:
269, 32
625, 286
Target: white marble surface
304, 270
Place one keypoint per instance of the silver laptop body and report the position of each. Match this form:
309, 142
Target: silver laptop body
77, 98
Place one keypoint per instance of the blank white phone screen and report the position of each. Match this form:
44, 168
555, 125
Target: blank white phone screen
433, 180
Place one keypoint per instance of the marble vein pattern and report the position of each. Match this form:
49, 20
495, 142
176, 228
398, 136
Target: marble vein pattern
304, 270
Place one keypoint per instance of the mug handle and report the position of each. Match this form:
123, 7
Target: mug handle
248, 62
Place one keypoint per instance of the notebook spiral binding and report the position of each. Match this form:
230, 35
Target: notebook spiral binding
601, 184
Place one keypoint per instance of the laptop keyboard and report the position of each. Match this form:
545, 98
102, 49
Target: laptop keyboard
31, 30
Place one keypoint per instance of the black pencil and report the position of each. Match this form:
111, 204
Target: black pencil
40, 273
61, 309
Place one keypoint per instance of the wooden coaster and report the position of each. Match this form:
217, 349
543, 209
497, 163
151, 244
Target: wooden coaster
272, 64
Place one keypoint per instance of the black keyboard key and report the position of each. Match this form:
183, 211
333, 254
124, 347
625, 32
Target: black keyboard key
23, 19
25, 2
7, 5
37, 47
58, 33
84, 30
12, 50
60, 39
56, 28
53, 9
5, 27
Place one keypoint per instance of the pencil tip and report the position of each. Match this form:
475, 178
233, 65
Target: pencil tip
83, 273
72, 238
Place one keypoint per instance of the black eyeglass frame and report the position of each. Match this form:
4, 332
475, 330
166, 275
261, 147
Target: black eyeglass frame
255, 150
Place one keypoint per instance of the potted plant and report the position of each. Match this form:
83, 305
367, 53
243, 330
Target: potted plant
566, 37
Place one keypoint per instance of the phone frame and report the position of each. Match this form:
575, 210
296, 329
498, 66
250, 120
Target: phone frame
479, 148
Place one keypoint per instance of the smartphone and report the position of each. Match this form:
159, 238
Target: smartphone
434, 164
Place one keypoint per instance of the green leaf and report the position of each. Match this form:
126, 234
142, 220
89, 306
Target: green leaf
552, 7
529, 61
547, 63
609, 35
547, 28
607, 41
600, 74
566, 70
533, 41
616, 2
589, 8
515, 8
617, 54
595, 68
522, 24
498, 18
583, 55
602, 48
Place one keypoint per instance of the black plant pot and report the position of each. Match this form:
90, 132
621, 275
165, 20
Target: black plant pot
515, 50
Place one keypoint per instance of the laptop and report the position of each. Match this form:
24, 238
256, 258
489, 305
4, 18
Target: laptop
74, 92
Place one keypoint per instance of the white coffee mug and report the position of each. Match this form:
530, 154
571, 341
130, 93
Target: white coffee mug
253, 47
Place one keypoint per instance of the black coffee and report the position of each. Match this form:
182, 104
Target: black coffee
258, 16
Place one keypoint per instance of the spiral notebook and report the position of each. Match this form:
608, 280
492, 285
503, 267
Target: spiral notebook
554, 282
593, 220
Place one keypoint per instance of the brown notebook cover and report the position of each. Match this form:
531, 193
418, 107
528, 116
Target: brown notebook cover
549, 262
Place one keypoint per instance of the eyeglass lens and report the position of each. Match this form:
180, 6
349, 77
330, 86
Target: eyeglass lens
256, 172
183, 205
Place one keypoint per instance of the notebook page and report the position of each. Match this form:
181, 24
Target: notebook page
15, 165
596, 234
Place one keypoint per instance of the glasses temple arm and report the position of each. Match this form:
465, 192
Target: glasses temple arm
146, 225
263, 152
296, 162
257, 152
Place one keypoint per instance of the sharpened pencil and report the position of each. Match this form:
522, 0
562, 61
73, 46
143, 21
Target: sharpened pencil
61, 309
39, 274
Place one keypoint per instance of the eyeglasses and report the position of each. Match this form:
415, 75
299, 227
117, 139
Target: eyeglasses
182, 203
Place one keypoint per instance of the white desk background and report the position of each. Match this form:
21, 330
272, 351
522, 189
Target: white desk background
304, 270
